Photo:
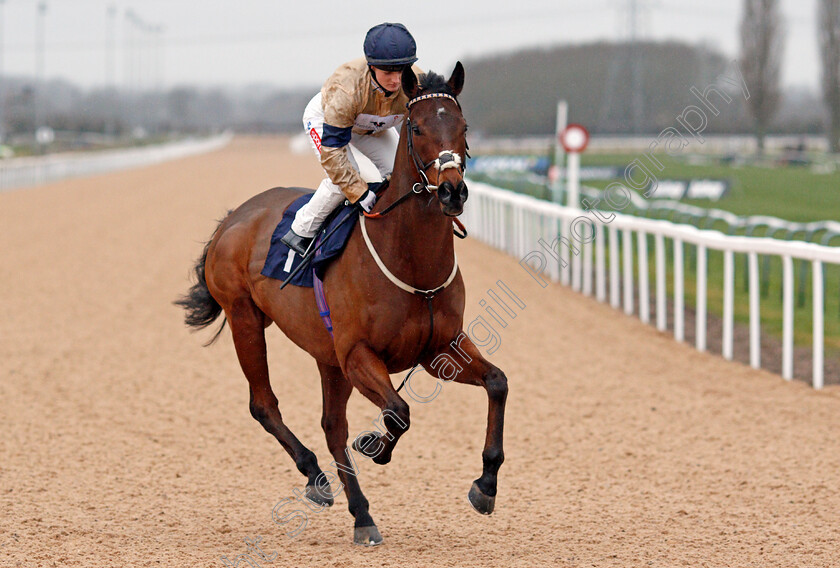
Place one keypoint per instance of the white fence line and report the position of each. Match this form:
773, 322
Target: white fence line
773, 226
550, 240
29, 171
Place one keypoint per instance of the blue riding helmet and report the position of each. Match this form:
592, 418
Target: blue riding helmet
390, 45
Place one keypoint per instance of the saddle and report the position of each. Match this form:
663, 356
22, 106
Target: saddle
281, 261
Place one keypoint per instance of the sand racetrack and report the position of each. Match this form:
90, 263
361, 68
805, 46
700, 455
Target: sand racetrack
126, 443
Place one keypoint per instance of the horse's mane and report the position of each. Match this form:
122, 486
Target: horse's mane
431, 82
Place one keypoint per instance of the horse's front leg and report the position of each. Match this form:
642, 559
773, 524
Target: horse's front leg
463, 363
368, 373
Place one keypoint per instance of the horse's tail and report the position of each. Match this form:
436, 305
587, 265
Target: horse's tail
201, 307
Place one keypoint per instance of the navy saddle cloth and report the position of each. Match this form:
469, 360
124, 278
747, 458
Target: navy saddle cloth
277, 264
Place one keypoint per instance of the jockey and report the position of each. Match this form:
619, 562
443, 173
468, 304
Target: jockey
360, 105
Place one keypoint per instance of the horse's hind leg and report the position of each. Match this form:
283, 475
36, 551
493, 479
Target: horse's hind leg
336, 389
247, 326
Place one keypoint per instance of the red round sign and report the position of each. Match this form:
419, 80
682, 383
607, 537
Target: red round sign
574, 138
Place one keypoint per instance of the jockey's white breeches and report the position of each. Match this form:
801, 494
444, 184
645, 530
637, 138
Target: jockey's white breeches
380, 150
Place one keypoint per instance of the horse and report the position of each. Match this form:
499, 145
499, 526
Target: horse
379, 326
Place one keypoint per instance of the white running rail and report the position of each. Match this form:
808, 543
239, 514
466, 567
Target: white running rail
773, 226
516, 223
29, 171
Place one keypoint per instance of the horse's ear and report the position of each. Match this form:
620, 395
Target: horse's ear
409, 82
456, 81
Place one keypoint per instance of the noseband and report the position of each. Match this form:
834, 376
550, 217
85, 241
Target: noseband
447, 159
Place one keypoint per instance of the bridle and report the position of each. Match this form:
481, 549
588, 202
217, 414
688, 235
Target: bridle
447, 159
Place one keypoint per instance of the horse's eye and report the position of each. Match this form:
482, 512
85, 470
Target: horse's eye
415, 129
466, 127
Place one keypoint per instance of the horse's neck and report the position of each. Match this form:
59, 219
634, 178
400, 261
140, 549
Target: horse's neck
414, 239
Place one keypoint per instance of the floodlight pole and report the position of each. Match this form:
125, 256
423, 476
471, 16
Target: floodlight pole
110, 71
40, 33
2, 98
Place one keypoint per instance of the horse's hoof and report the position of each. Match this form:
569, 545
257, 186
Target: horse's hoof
480, 502
368, 444
367, 536
382, 458
319, 495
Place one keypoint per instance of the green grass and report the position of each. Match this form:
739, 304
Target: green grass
791, 193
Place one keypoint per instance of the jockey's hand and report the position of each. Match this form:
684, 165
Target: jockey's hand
367, 201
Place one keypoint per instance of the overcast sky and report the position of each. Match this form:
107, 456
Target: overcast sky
299, 43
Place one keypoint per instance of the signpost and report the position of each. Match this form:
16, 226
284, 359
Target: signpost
554, 179
574, 139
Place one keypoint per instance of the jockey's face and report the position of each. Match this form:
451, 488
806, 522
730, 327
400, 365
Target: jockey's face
390, 80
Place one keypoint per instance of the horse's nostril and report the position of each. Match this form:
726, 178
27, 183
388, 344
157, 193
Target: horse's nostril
445, 192
462, 190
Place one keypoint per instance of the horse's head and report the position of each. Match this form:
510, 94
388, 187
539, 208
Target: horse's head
436, 135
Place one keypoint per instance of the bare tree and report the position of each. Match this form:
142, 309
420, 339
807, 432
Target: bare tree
761, 57
829, 22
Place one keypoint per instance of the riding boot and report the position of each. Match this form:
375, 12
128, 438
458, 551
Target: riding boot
296, 242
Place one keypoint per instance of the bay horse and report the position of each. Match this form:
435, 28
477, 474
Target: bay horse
379, 327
